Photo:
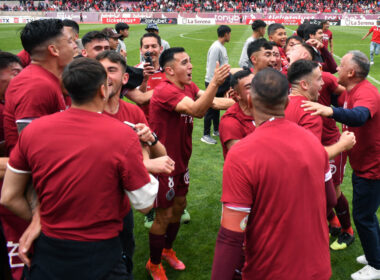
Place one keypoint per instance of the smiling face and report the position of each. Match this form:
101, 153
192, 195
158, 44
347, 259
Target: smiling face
315, 83
181, 69
116, 76
297, 52
279, 37
263, 59
95, 47
150, 44
243, 88
318, 35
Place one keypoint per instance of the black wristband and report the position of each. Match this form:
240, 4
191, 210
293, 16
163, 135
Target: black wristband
155, 139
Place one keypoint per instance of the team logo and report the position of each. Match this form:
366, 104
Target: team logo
171, 182
243, 223
170, 194
332, 168
186, 177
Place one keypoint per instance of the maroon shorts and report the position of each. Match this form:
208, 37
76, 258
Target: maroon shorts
170, 187
337, 167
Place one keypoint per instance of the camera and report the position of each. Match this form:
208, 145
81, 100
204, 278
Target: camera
148, 58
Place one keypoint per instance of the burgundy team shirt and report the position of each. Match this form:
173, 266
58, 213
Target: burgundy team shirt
174, 130
330, 132
279, 172
365, 155
78, 168
296, 114
34, 93
234, 125
327, 36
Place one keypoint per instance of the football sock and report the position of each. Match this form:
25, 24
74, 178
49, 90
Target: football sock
156, 244
334, 222
229, 254
171, 234
343, 212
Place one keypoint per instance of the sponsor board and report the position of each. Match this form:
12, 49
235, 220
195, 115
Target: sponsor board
319, 21
197, 21
159, 20
112, 20
281, 21
358, 22
17, 19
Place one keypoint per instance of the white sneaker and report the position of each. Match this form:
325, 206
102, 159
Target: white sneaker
372, 63
208, 140
366, 273
362, 260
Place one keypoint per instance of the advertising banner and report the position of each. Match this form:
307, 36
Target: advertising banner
319, 21
111, 20
158, 20
280, 20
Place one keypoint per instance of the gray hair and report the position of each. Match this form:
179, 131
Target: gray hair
362, 63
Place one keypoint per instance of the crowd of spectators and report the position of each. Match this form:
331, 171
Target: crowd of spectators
260, 6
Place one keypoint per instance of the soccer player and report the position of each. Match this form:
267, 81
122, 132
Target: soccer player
174, 103
115, 66
361, 115
153, 28
237, 122
123, 29
256, 179
260, 53
73, 27
94, 42
113, 37
277, 34
74, 230
217, 53
340, 224
375, 41
258, 28
10, 225
327, 35
277, 56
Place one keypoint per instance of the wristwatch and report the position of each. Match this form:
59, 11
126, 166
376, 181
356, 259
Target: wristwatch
155, 140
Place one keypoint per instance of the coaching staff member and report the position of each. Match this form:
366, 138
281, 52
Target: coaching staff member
361, 115
256, 178
80, 190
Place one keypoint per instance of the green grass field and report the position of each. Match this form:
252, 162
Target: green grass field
195, 242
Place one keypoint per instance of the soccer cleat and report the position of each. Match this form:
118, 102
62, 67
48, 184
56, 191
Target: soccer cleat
334, 231
185, 218
362, 260
215, 133
366, 273
148, 219
156, 271
169, 256
208, 140
372, 63
344, 240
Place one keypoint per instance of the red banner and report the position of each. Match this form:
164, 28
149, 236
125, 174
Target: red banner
290, 21
112, 20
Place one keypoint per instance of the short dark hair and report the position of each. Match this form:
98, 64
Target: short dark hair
310, 50
7, 59
300, 69
362, 62
257, 24
40, 31
168, 55
71, 23
223, 29
82, 78
273, 27
295, 37
311, 29
270, 86
150, 34
256, 46
93, 35
301, 29
114, 57
235, 78
121, 26
324, 22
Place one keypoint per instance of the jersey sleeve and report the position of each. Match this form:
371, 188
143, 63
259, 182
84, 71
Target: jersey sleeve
168, 97
133, 172
229, 130
367, 97
371, 29
18, 161
236, 188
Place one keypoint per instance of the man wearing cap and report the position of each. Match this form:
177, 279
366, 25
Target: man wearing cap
258, 27
152, 27
113, 37
123, 29
375, 41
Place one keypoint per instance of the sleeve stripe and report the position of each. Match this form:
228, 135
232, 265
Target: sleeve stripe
17, 171
238, 208
144, 196
328, 175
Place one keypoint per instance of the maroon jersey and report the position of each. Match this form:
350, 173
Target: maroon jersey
133, 114
234, 125
296, 114
77, 169
257, 175
330, 132
153, 81
327, 36
284, 60
34, 93
174, 130
365, 155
